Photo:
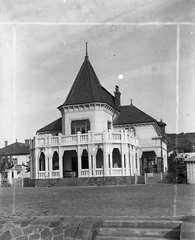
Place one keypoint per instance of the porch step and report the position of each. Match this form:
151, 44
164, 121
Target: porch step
138, 230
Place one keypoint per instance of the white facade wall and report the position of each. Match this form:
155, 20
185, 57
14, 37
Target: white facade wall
145, 132
98, 118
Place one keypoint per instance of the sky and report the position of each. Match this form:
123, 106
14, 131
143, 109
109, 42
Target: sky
146, 47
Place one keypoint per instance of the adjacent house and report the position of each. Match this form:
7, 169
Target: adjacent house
19, 154
190, 161
97, 136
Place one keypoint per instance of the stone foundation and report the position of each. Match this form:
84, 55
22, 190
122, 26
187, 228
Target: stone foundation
92, 181
61, 230
57, 230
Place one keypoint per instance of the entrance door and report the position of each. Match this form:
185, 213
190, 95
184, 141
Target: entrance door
148, 162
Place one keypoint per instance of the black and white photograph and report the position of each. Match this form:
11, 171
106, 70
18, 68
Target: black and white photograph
97, 119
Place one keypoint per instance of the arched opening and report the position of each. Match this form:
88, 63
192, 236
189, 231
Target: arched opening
70, 164
116, 158
84, 160
99, 158
55, 161
42, 162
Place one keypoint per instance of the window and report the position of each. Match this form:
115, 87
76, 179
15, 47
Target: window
109, 125
42, 162
15, 161
132, 130
82, 126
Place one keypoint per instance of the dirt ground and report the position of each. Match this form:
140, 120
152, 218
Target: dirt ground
144, 201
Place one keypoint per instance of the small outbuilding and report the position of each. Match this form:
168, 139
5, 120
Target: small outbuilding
190, 169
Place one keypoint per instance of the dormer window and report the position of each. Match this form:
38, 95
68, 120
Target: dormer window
82, 126
132, 131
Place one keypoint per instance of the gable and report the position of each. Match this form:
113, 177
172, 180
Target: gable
147, 131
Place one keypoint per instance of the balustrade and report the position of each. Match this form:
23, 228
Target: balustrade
55, 174
84, 173
83, 138
41, 174
115, 137
54, 140
117, 172
99, 172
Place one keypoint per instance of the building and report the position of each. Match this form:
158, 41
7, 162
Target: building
190, 161
97, 136
19, 153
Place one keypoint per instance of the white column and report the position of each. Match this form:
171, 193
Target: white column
46, 167
127, 164
60, 165
94, 164
89, 163
36, 162
138, 161
111, 163
50, 167
105, 155
122, 160
79, 165
131, 161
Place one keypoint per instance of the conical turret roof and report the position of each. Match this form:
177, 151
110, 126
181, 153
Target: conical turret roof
87, 88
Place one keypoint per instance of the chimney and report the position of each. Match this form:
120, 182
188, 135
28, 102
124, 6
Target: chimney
162, 126
27, 142
117, 97
6, 143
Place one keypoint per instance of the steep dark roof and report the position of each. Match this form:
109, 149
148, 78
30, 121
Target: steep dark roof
129, 114
16, 148
52, 127
87, 88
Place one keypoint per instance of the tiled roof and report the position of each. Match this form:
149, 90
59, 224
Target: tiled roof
16, 148
129, 114
87, 88
52, 127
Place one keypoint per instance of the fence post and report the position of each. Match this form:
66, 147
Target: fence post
145, 178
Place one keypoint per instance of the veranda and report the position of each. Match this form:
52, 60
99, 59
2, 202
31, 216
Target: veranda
84, 155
